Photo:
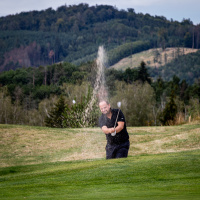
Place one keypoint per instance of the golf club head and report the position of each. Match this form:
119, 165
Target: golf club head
113, 134
119, 104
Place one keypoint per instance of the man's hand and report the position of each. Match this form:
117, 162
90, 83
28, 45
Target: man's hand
112, 130
107, 130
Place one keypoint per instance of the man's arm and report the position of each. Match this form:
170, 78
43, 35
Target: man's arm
119, 127
107, 130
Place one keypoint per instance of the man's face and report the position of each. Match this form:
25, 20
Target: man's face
104, 107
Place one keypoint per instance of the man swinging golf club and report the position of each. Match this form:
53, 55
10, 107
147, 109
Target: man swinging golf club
113, 124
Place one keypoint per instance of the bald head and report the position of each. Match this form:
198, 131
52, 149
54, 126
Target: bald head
104, 107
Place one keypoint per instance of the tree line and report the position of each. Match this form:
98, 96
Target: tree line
45, 95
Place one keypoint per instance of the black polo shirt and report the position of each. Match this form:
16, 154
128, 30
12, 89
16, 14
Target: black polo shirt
120, 137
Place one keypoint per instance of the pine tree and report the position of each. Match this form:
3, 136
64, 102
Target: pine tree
143, 74
55, 117
170, 111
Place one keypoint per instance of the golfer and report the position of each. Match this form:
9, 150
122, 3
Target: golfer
117, 137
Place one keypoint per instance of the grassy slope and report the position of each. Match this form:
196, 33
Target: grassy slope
148, 57
150, 171
161, 176
23, 145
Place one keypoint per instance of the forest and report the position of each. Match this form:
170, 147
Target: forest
186, 67
73, 34
44, 96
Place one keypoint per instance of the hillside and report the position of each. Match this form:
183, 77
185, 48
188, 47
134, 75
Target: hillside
25, 145
152, 57
181, 62
73, 34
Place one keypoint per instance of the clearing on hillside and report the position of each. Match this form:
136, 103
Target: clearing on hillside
152, 57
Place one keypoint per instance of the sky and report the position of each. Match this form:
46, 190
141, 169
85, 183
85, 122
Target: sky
171, 9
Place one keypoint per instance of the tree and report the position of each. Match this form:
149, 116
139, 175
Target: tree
194, 108
162, 33
159, 87
52, 56
82, 113
188, 40
55, 117
73, 115
169, 113
183, 88
137, 100
130, 75
143, 74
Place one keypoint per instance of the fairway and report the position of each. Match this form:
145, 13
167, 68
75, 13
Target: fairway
163, 164
163, 176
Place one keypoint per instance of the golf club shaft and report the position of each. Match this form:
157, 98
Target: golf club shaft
116, 118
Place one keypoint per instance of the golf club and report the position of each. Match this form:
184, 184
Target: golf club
119, 106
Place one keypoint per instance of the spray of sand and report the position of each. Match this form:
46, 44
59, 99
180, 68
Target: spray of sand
100, 90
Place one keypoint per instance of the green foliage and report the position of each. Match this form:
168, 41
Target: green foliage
143, 75
194, 109
55, 116
130, 75
137, 102
44, 91
28, 94
64, 116
79, 114
186, 67
41, 82
169, 113
159, 88
73, 34
188, 40
19, 111
73, 116
127, 49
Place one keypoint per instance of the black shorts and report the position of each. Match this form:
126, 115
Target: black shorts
117, 150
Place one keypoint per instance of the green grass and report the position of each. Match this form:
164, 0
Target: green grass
162, 176
40, 163
25, 145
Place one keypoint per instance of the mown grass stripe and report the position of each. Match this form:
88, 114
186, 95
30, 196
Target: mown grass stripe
162, 176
